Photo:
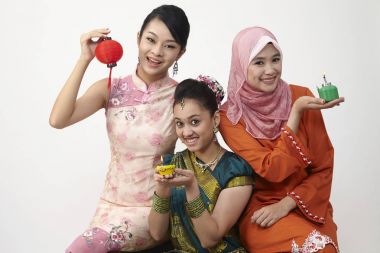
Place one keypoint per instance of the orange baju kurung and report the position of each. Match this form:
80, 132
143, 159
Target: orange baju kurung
296, 165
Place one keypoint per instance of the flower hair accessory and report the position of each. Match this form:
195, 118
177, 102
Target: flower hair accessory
214, 85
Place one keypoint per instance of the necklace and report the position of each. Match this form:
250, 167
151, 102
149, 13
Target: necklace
204, 166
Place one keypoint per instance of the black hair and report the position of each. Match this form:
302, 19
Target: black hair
197, 90
174, 18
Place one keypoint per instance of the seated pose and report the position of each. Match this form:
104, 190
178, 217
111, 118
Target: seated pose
201, 202
279, 130
139, 125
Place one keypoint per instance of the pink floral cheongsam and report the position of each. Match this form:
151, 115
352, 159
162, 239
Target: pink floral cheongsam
140, 128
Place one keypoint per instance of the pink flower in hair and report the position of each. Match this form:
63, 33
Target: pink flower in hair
214, 85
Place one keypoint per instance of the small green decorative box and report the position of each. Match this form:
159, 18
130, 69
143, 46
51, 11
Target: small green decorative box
328, 92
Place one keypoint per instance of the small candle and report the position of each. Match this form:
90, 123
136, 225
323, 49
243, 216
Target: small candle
165, 169
328, 92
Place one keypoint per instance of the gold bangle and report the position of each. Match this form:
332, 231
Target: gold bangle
160, 205
196, 207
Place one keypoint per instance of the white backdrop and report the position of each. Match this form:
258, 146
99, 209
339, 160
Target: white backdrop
51, 179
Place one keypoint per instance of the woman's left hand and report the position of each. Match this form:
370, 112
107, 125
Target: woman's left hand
308, 103
312, 103
269, 215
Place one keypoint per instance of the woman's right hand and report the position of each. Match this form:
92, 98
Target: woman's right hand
89, 41
269, 215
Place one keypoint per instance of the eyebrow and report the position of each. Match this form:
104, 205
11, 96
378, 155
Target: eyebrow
152, 33
262, 58
191, 116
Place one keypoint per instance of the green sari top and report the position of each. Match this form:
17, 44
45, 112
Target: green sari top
230, 171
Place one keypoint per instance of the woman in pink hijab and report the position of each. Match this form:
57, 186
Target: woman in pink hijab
279, 130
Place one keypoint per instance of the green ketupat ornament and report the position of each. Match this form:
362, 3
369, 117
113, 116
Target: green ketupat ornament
328, 92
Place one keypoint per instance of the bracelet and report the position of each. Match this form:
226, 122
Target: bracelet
160, 205
196, 207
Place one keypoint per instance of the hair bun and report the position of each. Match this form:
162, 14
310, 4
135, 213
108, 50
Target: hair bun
214, 85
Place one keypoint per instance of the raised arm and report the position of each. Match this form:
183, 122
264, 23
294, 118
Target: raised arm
274, 161
313, 193
67, 109
311, 196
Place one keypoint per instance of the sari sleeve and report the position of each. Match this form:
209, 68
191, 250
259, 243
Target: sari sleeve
237, 172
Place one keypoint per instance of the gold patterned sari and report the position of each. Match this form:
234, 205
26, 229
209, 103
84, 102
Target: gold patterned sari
230, 171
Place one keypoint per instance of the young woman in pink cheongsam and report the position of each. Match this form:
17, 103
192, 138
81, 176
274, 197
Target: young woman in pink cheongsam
138, 111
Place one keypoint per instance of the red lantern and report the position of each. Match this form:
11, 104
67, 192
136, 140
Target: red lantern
109, 52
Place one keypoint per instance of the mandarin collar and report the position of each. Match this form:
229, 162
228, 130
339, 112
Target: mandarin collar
140, 84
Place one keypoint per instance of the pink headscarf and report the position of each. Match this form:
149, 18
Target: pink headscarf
262, 112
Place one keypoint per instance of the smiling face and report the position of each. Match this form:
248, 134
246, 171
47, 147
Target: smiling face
157, 51
194, 125
264, 71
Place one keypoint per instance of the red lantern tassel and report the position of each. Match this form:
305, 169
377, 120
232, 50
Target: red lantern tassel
109, 84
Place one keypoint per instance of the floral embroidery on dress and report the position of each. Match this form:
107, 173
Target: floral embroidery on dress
115, 101
313, 243
120, 93
89, 235
129, 114
123, 86
119, 235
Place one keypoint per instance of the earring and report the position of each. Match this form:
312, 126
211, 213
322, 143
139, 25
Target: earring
215, 139
175, 68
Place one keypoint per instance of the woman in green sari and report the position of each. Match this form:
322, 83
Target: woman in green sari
201, 202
